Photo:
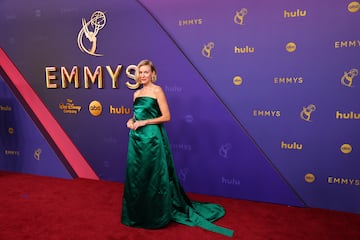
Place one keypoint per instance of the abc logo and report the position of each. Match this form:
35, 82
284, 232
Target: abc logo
353, 7
95, 108
237, 80
346, 148
309, 178
290, 47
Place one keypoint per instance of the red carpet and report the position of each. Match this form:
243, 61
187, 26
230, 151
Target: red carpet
44, 208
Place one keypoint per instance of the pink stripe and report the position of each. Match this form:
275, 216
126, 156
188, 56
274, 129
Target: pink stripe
61, 139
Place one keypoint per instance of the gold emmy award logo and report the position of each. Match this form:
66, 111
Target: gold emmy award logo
354, 7
305, 114
224, 150
95, 108
37, 154
347, 78
11, 130
91, 29
206, 51
239, 16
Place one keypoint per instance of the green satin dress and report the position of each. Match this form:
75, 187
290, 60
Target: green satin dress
153, 195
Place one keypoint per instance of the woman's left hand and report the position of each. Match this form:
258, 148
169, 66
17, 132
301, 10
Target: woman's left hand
139, 123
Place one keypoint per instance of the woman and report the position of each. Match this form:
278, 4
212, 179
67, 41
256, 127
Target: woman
153, 195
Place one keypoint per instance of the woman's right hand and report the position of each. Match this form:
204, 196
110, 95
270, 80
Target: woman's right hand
130, 123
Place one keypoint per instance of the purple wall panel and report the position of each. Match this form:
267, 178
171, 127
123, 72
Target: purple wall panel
23, 148
222, 142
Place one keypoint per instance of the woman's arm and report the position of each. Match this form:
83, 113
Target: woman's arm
164, 109
130, 122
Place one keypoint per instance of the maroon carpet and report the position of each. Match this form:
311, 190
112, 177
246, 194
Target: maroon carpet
34, 207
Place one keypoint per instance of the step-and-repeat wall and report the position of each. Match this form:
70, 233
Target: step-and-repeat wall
264, 96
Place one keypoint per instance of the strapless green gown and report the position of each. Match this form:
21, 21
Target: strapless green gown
153, 195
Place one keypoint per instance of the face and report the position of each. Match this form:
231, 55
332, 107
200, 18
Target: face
145, 74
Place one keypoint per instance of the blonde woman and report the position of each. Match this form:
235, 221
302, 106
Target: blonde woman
153, 195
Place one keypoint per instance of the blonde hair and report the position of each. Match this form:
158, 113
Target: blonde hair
145, 62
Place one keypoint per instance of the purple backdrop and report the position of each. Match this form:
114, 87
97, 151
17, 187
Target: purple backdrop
263, 96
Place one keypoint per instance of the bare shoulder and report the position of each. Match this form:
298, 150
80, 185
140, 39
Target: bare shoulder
158, 90
136, 94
